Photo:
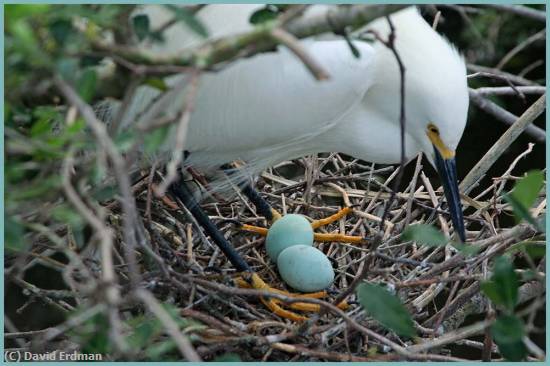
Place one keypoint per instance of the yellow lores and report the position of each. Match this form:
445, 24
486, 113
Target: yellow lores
433, 135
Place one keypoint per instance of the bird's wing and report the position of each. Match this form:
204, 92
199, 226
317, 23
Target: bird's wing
272, 99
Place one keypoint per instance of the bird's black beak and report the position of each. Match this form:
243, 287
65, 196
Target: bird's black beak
446, 168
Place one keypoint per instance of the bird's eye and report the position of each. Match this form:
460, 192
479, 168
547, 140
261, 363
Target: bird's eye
433, 129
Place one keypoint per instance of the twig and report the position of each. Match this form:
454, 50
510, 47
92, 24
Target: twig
514, 51
114, 128
181, 135
390, 43
292, 43
183, 343
119, 169
225, 49
477, 304
521, 10
530, 68
537, 133
479, 170
451, 337
436, 20
105, 233
498, 74
506, 90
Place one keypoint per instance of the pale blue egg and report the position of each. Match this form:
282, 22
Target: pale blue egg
305, 268
288, 231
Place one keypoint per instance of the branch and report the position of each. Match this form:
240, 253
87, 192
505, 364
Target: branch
183, 343
293, 44
508, 90
250, 43
536, 133
479, 170
521, 10
181, 136
478, 304
119, 168
514, 51
498, 74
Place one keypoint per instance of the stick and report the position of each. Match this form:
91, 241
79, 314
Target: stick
479, 170
537, 133
521, 10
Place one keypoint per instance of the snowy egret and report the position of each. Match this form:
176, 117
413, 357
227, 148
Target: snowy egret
268, 108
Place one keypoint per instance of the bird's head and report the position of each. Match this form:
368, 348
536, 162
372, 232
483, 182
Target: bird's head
436, 97
437, 101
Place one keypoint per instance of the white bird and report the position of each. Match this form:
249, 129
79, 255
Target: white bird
269, 108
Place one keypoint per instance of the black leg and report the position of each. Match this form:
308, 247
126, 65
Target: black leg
263, 207
179, 190
261, 204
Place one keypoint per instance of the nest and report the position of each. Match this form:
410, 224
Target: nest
439, 286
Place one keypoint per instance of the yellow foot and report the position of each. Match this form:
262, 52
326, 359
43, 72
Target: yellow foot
254, 281
321, 237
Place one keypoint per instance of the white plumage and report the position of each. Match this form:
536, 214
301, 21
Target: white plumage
269, 108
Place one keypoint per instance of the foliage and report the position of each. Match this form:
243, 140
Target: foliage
145, 338
524, 195
430, 236
386, 309
502, 289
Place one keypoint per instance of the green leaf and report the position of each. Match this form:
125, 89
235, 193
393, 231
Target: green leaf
7, 111
13, 235
227, 357
528, 275
424, 234
508, 331
90, 60
524, 195
86, 85
354, 50
157, 83
527, 188
490, 289
534, 249
41, 127
467, 250
105, 193
141, 26
145, 330
159, 349
68, 68
67, 215
43, 187
187, 17
46, 118
520, 211
386, 309
263, 15
155, 139
93, 335
76, 126
125, 140
14, 12
61, 30
502, 289
25, 36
